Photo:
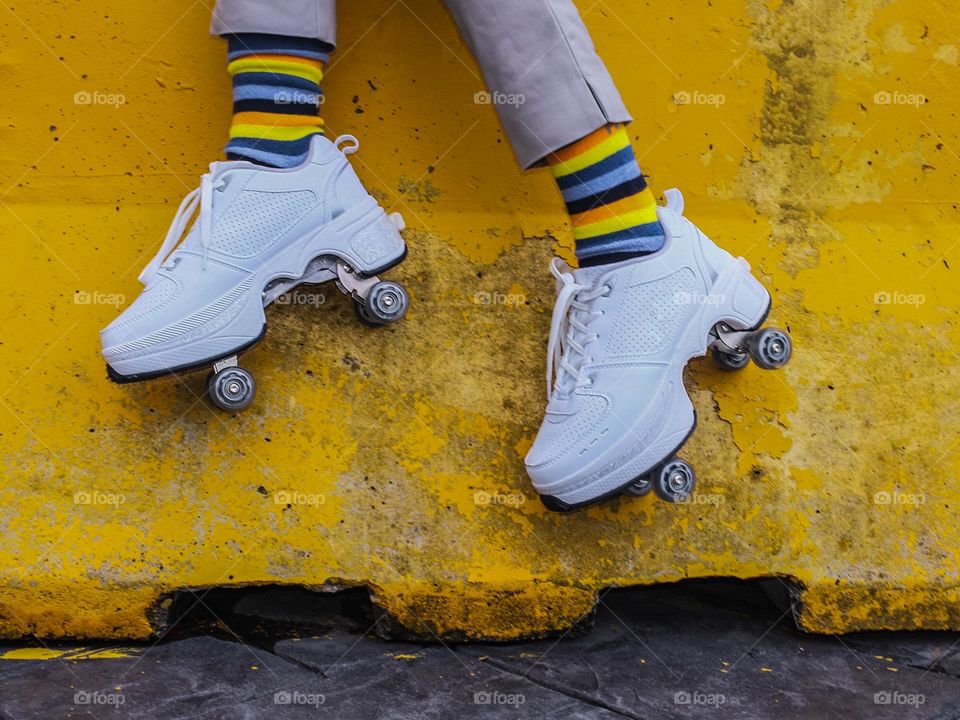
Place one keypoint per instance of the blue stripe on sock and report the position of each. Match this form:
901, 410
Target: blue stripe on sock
269, 79
243, 44
591, 172
599, 185
608, 196
646, 238
269, 92
271, 152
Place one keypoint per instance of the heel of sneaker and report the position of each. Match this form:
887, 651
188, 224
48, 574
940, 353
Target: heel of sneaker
747, 300
377, 242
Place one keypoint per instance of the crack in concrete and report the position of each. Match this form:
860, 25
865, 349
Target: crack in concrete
574, 694
504, 667
299, 663
936, 669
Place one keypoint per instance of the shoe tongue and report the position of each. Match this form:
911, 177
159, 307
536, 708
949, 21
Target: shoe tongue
589, 275
592, 275
220, 166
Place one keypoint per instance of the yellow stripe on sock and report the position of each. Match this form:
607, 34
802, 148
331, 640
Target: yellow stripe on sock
640, 201
284, 57
615, 224
605, 148
305, 68
274, 132
275, 119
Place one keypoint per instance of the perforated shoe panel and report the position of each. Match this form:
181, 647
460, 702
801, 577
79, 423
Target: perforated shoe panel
650, 314
255, 220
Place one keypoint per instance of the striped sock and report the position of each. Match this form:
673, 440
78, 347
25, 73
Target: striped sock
613, 212
276, 97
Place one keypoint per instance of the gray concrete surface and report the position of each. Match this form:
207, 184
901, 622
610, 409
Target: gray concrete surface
704, 650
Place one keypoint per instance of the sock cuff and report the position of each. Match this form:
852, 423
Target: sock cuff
245, 44
275, 153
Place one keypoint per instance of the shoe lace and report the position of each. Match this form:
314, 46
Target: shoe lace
570, 333
202, 198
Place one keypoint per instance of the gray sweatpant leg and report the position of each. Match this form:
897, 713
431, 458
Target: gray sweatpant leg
540, 52
536, 56
297, 18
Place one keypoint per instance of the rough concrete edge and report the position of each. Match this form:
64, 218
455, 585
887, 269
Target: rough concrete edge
433, 612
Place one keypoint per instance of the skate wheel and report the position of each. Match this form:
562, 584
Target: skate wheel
641, 486
362, 315
770, 348
386, 303
232, 389
730, 361
674, 481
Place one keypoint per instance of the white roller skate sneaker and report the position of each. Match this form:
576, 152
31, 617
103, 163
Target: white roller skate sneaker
259, 233
620, 338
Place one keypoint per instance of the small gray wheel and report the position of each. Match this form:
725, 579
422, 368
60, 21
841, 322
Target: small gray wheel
386, 303
674, 481
730, 361
363, 316
232, 389
641, 486
770, 348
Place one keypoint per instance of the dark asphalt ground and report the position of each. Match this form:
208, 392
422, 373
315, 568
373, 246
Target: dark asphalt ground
695, 650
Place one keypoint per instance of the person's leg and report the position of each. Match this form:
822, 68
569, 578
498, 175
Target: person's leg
560, 105
285, 209
652, 290
547, 82
276, 55
612, 211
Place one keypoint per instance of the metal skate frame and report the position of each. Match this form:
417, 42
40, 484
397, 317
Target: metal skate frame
322, 270
729, 341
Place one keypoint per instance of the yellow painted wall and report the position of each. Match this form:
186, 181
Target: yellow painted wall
831, 163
